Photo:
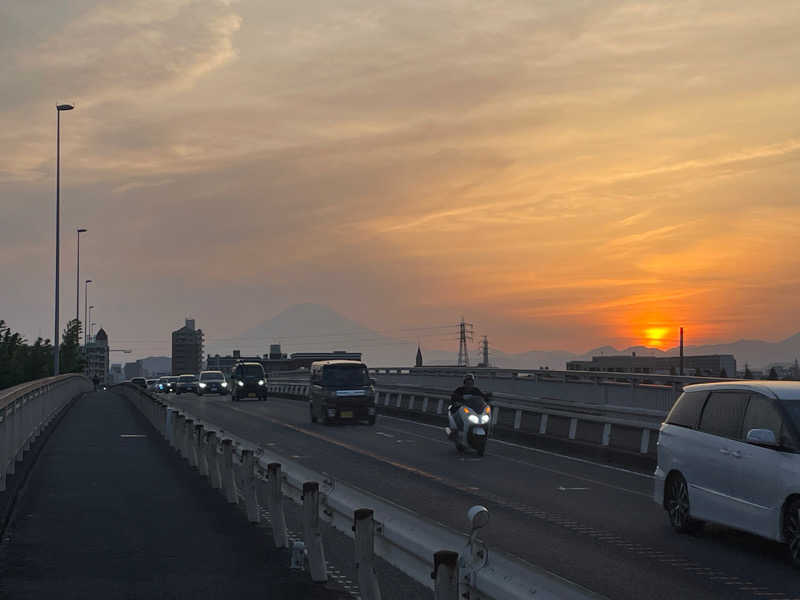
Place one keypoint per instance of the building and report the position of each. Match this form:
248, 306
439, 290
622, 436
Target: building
115, 374
708, 365
133, 369
275, 360
97, 357
418, 361
187, 349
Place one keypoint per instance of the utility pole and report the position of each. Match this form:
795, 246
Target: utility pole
681, 364
465, 332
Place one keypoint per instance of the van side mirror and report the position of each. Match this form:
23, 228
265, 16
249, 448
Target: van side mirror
762, 437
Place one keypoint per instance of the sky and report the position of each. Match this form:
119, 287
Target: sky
564, 174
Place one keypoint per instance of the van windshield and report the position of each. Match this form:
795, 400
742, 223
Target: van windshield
211, 377
345, 376
252, 371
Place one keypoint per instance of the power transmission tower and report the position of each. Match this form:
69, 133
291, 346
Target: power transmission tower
465, 332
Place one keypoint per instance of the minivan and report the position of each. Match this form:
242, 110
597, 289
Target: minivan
248, 380
341, 390
729, 453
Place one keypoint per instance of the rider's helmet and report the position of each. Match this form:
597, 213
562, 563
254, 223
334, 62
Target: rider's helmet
469, 378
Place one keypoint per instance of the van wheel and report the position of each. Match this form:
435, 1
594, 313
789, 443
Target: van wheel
791, 532
677, 504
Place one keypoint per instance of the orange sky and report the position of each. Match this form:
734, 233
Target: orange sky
563, 175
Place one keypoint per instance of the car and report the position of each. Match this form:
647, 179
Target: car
151, 384
212, 382
248, 380
140, 381
341, 390
186, 383
163, 385
729, 453
170, 384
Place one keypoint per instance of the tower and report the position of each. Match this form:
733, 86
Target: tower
419, 356
465, 331
485, 352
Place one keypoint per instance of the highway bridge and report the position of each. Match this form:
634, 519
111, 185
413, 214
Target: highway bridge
567, 483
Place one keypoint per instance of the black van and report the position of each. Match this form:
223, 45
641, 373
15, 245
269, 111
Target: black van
248, 380
341, 390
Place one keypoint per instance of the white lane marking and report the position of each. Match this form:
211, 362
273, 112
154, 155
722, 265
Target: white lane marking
531, 449
132, 435
388, 435
647, 495
561, 488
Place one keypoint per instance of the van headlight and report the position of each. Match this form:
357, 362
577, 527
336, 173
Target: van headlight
202, 385
224, 384
485, 418
260, 382
473, 419
240, 383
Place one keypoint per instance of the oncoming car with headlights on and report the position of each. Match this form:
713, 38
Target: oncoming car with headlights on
248, 380
212, 382
341, 390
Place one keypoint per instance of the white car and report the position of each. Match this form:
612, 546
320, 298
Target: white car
729, 453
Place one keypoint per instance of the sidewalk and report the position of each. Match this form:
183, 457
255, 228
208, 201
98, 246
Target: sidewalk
110, 512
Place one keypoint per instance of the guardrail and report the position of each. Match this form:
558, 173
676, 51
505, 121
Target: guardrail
25, 412
261, 480
615, 427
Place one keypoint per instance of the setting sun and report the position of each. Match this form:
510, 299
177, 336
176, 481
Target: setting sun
654, 336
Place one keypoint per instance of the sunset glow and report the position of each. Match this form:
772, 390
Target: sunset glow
563, 175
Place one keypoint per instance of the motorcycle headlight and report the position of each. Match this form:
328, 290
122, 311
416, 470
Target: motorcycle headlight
260, 382
202, 385
240, 383
485, 419
473, 419
224, 384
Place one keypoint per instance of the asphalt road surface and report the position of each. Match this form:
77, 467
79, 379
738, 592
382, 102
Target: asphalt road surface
593, 524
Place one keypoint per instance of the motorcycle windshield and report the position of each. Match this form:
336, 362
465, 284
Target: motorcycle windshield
474, 403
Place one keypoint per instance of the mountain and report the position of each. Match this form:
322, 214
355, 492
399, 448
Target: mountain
313, 327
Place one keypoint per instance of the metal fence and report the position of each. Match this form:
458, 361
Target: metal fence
449, 563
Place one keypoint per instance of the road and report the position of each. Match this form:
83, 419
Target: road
590, 523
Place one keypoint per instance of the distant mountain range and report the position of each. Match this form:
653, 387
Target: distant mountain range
313, 327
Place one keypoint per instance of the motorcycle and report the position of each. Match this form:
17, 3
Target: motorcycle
469, 423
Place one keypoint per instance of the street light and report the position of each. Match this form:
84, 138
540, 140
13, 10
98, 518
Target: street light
86, 312
78, 276
59, 109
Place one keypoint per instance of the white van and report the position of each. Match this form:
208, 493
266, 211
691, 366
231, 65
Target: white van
729, 453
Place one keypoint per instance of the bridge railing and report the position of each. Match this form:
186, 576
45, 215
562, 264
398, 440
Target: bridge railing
25, 412
261, 480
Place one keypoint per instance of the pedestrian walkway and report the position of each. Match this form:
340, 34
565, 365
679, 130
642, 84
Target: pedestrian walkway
109, 511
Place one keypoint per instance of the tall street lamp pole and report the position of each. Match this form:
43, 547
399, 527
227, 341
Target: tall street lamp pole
89, 323
86, 312
78, 277
59, 109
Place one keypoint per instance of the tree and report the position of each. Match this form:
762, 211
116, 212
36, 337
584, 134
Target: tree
748, 374
20, 362
773, 374
71, 358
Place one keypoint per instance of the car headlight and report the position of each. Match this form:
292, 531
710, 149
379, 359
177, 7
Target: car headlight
485, 418
224, 384
473, 419
240, 383
202, 385
260, 382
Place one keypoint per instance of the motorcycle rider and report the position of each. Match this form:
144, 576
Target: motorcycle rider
467, 389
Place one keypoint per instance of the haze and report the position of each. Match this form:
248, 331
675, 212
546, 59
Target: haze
563, 174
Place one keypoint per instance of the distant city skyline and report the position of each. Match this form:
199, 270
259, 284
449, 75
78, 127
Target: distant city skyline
563, 175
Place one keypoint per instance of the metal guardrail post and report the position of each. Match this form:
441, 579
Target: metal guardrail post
211, 457
228, 483
197, 447
202, 459
445, 575
249, 486
179, 433
311, 532
364, 529
172, 416
3, 450
188, 429
279, 534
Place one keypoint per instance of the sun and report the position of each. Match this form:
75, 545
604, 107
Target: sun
655, 335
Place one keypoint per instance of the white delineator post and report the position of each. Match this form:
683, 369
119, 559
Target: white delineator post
276, 506
249, 484
228, 484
